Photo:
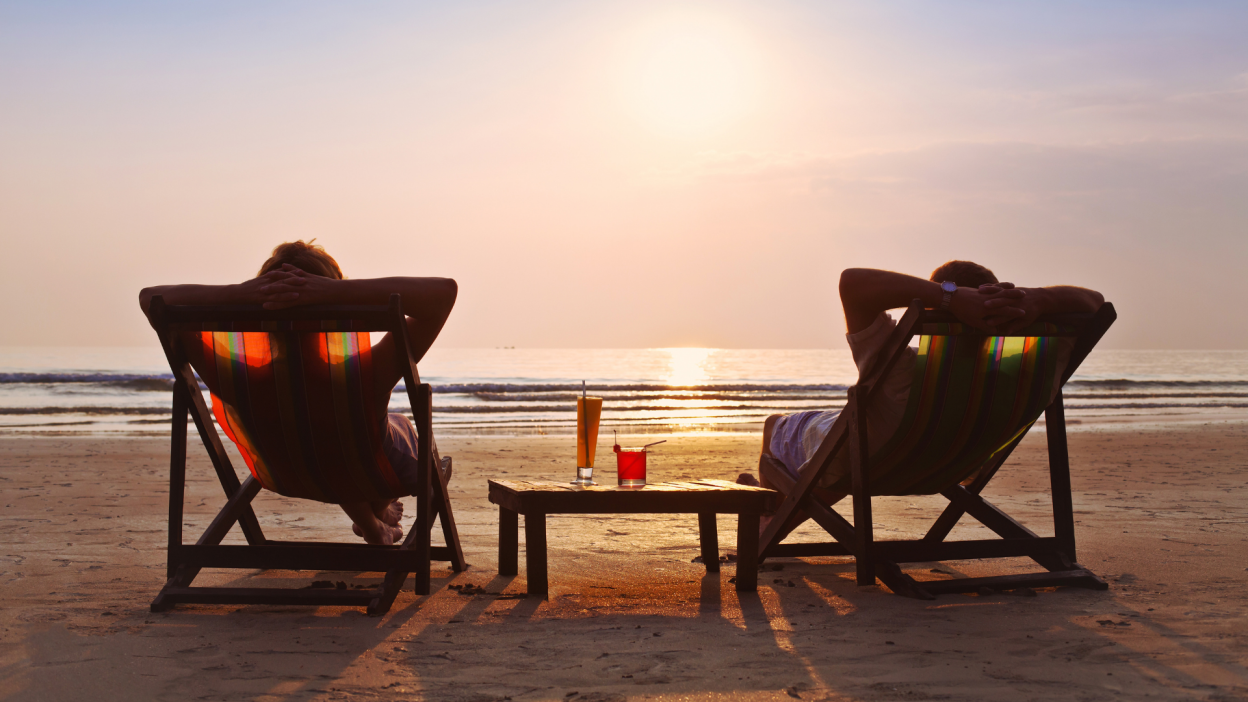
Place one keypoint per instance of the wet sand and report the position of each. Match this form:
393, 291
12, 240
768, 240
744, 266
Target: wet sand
1162, 514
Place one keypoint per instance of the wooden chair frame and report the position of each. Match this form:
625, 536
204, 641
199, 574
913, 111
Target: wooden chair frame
185, 561
881, 558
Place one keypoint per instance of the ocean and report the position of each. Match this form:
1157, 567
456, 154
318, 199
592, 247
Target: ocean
645, 391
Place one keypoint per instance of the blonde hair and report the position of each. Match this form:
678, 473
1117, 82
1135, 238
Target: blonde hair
305, 256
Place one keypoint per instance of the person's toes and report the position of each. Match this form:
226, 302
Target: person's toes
388, 535
747, 479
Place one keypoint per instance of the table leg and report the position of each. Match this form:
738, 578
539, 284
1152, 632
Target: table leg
747, 552
708, 537
535, 553
508, 541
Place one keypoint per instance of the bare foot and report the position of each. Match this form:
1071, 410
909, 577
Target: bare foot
387, 535
388, 512
747, 479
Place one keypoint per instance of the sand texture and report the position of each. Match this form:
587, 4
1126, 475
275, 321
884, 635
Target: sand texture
1162, 514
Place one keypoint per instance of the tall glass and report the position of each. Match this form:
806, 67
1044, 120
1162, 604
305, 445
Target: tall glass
588, 413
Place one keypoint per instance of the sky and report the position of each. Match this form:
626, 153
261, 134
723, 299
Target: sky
626, 173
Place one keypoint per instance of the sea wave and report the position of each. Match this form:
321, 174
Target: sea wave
571, 397
575, 388
438, 409
1160, 405
610, 410
162, 381
92, 410
1147, 395
46, 378
1124, 384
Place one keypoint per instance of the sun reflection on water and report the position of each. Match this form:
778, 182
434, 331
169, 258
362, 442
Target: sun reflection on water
687, 366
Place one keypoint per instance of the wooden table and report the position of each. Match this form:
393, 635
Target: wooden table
706, 498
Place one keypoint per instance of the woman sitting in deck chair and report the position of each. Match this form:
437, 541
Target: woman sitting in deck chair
300, 273
968, 290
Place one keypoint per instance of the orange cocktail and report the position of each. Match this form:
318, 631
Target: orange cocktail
588, 414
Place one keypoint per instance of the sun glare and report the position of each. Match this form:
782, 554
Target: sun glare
687, 366
689, 75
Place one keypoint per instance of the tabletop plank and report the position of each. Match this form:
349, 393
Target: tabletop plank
703, 496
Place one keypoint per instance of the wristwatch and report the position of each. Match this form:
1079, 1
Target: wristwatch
949, 287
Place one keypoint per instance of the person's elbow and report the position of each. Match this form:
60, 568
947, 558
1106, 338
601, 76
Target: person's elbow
852, 281
448, 291
145, 298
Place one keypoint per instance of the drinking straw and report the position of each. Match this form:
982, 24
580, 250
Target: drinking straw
585, 417
655, 444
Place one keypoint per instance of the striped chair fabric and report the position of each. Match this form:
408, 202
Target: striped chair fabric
300, 408
971, 397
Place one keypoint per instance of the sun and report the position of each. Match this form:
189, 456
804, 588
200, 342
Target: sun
689, 75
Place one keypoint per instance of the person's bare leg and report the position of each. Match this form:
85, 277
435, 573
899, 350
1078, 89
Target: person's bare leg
825, 496
769, 426
367, 525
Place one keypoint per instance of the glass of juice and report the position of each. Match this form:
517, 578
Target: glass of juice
588, 413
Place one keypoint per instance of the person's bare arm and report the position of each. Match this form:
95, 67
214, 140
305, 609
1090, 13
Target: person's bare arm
245, 293
427, 302
288, 286
1056, 299
866, 292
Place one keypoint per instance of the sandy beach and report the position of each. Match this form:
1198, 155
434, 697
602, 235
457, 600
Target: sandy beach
1161, 513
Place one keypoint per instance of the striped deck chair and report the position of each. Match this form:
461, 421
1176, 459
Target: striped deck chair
294, 391
972, 400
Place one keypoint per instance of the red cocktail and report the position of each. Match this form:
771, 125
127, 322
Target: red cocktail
631, 464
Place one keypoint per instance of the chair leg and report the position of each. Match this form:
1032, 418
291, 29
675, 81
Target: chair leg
777, 478
450, 533
864, 536
220, 461
178, 579
1059, 477
900, 583
177, 476
390, 588
418, 540
865, 557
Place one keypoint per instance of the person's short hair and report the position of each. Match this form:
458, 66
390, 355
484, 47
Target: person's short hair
965, 273
305, 256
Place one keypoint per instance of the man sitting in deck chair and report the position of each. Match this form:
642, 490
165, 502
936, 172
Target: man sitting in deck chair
300, 273
968, 290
